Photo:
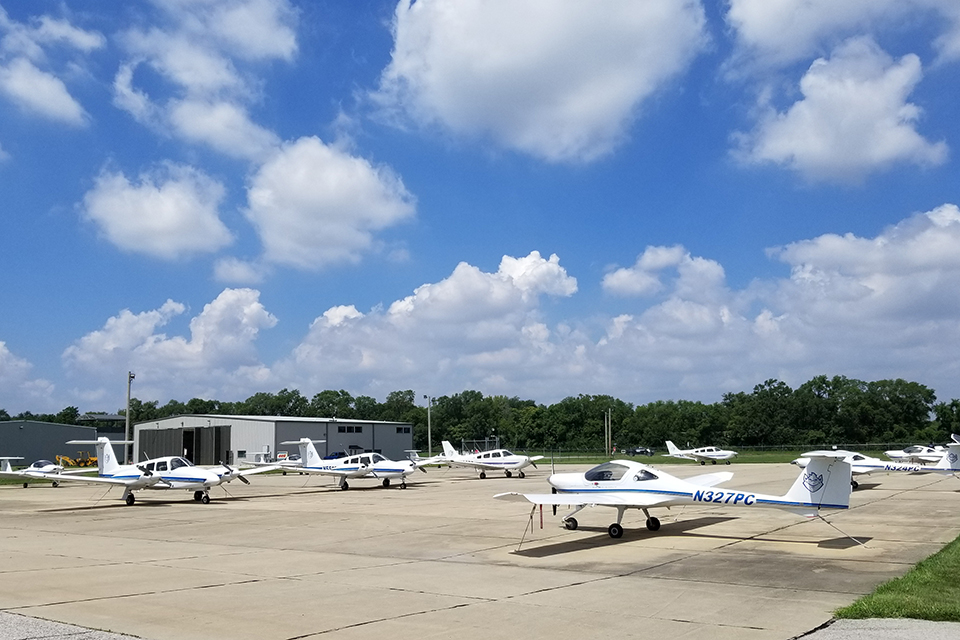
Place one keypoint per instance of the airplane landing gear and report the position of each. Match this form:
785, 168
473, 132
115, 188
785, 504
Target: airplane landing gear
727, 462
508, 473
386, 482
205, 499
198, 496
130, 499
521, 474
854, 484
483, 475
653, 524
703, 462
570, 523
403, 483
344, 486
713, 462
26, 484
615, 530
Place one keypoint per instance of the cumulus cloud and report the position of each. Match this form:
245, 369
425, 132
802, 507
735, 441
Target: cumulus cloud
39, 92
224, 126
219, 357
19, 389
169, 213
315, 205
854, 118
557, 81
785, 31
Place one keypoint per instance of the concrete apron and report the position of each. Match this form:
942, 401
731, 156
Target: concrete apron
294, 557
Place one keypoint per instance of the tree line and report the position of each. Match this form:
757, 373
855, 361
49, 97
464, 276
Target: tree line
823, 411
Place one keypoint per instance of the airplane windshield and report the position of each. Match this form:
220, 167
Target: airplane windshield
176, 463
506, 453
377, 457
605, 472
42, 463
645, 475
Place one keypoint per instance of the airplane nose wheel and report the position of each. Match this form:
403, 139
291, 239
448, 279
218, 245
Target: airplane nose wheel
130, 499
615, 530
508, 473
653, 524
483, 475
344, 486
521, 474
570, 523
386, 482
205, 499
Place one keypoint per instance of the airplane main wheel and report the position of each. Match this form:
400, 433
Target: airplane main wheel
728, 462
26, 484
508, 473
483, 475
713, 462
570, 523
205, 499
403, 484
344, 486
386, 482
130, 499
197, 495
703, 462
653, 524
854, 484
56, 484
284, 472
615, 530
521, 474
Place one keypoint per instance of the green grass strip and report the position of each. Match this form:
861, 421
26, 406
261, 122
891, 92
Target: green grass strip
931, 591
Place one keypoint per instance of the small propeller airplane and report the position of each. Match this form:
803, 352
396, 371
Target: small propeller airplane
918, 454
483, 461
860, 464
701, 455
168, 472
39, 470
625, 484
361, 465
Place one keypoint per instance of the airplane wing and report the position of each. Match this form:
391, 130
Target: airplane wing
339, 472
605, 498
711, 479
133, 482
228, 474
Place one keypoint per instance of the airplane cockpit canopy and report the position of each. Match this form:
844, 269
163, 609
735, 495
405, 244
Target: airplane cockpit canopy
606, 472
377, 457
39, 464
176, 463
645, 475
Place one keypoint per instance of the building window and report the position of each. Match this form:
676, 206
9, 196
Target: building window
341, 429
403, 429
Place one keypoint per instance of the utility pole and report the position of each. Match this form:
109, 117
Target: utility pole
126, 431
429, 435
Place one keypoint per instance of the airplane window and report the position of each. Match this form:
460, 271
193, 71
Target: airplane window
486, 455
149, 467
42, 463
495, 454
644, 475
353, 460
365, 459
176, 463
377, 457
506, 453
162, 465
858, 457
607, 471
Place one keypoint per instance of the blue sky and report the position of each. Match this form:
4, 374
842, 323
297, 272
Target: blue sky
659, 200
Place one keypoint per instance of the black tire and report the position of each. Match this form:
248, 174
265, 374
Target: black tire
854, 484
344, 486
205, 499
386, 482
615, 531
713, 462
703, 462
653, 524
508, 473
26, 484
56, 484
197, 495
483, 475
570, 524
727, 462
130, 499
521, 474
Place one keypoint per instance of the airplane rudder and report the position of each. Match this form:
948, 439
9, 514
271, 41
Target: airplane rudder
952, 457
825, 481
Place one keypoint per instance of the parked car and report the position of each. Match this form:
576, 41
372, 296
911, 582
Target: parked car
640, 451
335, 455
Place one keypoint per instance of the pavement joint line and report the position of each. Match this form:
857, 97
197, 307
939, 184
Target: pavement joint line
364, 623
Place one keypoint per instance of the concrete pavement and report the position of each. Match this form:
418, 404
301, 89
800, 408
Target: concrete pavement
293, 557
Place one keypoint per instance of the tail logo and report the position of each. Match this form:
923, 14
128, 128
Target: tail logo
813, 482
952, 457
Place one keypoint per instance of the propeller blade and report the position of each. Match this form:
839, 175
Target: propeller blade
422, 469
243, 479
534, 464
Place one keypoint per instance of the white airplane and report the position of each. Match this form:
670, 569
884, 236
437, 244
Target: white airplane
483, 461
917, 453
361, 465
701, 455
168, 472
39, 470
865, 465
625, 484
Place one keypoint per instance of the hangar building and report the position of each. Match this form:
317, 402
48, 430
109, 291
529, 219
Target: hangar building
34, 440
210, 439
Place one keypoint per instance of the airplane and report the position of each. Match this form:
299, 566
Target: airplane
361, 465
39, 470
168, 472
625, 484
917, 453
483, 461
701, 455
864, 465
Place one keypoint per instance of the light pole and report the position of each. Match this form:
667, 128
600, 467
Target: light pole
126, 431
429, 436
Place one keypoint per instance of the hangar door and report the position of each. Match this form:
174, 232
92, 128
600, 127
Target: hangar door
199, 445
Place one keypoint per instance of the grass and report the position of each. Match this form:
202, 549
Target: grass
931, 591
774, 457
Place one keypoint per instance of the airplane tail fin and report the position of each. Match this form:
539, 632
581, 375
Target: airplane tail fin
448, 449
308, 453
672, 448
950, 459
6, 463
107, 462
823, 484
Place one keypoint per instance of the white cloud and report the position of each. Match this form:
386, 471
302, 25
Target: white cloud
315, 205
170, 213
224, 126
854, 118
218, 359
39, 92
559, 81
235, 271
19, 390
784, 31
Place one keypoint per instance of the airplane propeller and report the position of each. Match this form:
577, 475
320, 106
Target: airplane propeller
145, 471
231, 472
554, 490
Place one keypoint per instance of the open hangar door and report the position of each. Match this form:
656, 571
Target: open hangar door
199, 445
